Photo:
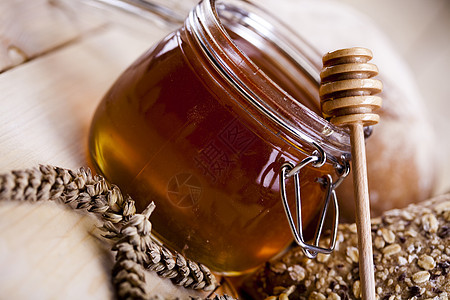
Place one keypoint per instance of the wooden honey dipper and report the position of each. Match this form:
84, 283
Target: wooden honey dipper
347, 99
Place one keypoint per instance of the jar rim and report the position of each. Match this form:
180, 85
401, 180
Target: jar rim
206, 22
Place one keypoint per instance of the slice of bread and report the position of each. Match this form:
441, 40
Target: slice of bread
411, 256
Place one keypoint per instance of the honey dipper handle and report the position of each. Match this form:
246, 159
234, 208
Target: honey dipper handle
366, 269
347, 94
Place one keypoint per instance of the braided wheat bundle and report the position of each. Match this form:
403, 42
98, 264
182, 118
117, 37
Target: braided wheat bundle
136, 250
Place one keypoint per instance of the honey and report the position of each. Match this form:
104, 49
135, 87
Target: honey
173, 131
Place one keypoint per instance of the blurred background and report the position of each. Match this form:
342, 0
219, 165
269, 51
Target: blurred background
420, 32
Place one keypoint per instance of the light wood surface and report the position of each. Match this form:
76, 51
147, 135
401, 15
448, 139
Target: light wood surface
40, 242
32, 28
46, 105
47, 251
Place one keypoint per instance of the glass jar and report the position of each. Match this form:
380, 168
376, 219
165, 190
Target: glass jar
202, 123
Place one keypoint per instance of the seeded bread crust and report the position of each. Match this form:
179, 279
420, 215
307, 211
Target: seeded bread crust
411, 249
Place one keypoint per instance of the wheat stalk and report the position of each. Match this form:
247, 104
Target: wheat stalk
136, 250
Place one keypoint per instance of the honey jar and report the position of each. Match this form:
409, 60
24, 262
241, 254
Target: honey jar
203, 123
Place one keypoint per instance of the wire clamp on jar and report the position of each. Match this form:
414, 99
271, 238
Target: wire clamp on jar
287, 171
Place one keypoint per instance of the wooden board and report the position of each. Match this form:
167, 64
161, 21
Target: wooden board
29, 29
47, 104
48, 251
51, 253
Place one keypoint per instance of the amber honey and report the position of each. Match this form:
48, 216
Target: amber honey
171, 130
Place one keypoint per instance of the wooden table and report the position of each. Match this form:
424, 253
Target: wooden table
56, 67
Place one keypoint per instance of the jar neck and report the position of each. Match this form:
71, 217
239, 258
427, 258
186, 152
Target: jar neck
217, 27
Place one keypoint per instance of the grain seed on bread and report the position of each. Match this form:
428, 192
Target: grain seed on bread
411, 256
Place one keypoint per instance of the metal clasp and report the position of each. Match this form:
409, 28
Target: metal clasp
288, 170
